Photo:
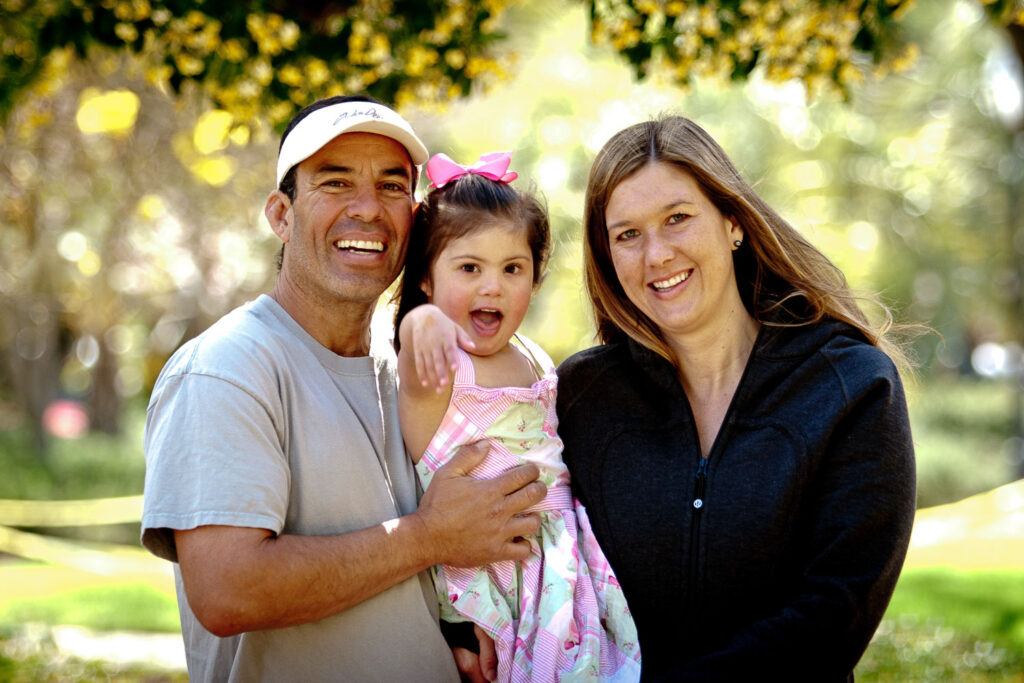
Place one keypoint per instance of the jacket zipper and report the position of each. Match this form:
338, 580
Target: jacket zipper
698, 506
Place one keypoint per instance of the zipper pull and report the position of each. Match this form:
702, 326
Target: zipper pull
702, 477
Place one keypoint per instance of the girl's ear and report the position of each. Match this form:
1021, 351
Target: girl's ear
426, 288
279, 214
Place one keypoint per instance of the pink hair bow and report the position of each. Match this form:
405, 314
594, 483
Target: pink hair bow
442, 170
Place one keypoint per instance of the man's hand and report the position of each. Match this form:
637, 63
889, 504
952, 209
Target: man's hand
471, 522
478, 668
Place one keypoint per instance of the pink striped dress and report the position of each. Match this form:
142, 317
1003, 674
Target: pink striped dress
559, 615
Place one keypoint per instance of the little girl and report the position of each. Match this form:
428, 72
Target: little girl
476, 253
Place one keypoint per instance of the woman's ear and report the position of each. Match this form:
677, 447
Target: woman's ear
736, 233
279, 214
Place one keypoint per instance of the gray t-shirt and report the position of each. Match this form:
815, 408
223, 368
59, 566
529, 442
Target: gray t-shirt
254, 423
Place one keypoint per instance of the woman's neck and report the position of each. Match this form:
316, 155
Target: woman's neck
711, 365
714, 359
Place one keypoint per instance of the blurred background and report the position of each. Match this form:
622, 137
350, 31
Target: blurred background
137, 146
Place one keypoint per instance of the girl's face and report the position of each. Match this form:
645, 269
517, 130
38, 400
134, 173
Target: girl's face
484, 282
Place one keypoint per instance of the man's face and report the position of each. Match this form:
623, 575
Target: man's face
350, 219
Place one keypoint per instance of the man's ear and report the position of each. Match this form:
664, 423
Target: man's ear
279, 214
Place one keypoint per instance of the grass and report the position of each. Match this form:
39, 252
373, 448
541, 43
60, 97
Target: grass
948, 625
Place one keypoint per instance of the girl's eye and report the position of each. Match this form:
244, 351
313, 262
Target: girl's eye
468, 268
513, 268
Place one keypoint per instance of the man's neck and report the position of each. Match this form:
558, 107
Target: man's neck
343, 328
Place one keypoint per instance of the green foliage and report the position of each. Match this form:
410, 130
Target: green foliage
269, 57
961, 432
944, 625
824, 44
94, 466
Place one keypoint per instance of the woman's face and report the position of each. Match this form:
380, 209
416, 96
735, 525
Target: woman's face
672, 250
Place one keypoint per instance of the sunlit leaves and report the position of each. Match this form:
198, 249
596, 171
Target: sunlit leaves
827, 45
267, 59
112, 112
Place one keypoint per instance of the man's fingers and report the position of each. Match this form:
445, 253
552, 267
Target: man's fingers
466, 458
519, 477
520, 526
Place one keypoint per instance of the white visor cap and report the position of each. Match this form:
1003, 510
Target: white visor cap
323, 125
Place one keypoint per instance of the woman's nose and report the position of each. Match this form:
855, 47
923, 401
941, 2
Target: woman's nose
658, 250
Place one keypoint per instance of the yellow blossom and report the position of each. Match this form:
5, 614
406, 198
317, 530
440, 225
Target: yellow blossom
188, 65
456, 59
232, 50
317, 72
290, 75
126, 32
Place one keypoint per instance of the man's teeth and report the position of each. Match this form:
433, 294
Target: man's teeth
360, 245
662, 285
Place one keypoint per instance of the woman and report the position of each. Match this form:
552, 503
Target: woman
740, 438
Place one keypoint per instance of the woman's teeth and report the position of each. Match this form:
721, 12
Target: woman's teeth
360, 245
662, 285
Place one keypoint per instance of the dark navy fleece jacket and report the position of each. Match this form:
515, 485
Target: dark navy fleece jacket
776, 557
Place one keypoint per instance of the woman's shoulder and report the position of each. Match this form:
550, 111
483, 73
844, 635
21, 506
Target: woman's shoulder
829, 349
595, 360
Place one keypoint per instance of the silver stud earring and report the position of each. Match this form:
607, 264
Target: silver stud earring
737, 244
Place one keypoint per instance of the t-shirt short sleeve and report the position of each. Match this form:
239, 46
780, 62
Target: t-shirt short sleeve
214, 457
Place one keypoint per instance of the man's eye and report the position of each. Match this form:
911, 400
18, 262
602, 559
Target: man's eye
393, 187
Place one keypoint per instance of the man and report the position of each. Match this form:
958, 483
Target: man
276, 474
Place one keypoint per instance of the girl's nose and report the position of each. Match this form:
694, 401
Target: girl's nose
489, 284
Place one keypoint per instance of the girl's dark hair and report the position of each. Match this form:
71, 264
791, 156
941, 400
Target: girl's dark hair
463, 205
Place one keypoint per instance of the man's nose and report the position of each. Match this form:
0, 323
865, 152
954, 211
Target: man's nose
365, 205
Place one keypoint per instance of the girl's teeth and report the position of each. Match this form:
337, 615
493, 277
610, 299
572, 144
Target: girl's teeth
671, 282
360, 245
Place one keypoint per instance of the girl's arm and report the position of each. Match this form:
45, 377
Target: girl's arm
427, 355
426, 360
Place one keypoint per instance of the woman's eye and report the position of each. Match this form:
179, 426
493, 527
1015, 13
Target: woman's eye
513, 268
627, 235
468, 268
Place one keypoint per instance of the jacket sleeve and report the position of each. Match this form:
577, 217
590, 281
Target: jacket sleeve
854, 533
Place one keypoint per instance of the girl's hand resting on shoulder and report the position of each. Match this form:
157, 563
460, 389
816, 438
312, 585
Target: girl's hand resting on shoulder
432, 338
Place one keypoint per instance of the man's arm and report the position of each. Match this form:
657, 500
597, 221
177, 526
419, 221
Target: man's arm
243, 579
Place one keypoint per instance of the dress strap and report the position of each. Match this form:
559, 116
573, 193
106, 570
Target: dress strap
535, 354
465, 373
